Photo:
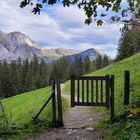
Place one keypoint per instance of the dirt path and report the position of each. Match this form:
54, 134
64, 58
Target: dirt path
78, 125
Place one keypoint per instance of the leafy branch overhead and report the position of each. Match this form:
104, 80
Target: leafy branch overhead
91, 8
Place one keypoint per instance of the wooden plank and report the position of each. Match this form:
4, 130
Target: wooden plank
101, 91
44, 105
82, 90
112, 97
78, 90
59, 101
89, 104
96, 91
53, 105
107, 91
126, 87
91, 78
72, 90
87, 91
92, 91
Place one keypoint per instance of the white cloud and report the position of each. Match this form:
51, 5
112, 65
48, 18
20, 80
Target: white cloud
58, 27
70, 15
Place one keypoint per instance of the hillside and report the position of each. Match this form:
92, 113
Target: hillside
123, 128
21, 109
133, 65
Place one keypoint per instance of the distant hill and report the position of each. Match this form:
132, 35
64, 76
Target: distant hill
16, 44
54, 54
92, 53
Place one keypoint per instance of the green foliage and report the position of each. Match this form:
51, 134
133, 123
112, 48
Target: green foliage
22, 76
4, 124
87, 65
129, 42
91, 8
63, 68
78, 66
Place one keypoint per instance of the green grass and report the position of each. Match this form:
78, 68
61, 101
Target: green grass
123, 128
21, 109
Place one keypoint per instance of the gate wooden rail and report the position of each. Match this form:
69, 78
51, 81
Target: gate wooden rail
93, 91
55, 89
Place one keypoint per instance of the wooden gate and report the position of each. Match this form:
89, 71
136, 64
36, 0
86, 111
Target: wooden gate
93, 91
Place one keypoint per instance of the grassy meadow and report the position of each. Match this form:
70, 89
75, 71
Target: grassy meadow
21, 109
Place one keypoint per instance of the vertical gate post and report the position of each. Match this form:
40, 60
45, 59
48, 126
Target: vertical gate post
126, 87
107, 91
53, 104
112, 97
60, 116
72, 90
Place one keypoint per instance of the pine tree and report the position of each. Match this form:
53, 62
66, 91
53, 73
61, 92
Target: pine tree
44, 74
54, 73
86, 65
24, 76
1, 93
19, 76
13, 79
136, 40
35, 65
63, 69
78, 66
71, 69
105, 61
6, 85
125, 46
98, 62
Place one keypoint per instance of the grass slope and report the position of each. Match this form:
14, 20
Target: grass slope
124, 128
21, 109
133, 65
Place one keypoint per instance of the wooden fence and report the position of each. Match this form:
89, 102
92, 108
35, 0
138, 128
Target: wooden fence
126, 87
93, 91
56, 92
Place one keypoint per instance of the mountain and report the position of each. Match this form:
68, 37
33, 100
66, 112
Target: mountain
16, 44
92, 53
54, 54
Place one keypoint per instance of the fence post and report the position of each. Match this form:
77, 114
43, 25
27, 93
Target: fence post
60, 116
107, 91
112, 97
72, 90
53, 104
126, 87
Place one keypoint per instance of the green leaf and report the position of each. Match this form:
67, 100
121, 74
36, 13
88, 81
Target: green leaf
100, 22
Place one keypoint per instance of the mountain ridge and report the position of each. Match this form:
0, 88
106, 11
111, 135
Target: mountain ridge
16, 44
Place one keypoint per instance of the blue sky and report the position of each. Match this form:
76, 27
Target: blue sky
59, 27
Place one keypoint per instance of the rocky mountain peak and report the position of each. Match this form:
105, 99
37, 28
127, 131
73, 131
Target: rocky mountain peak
16, 44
